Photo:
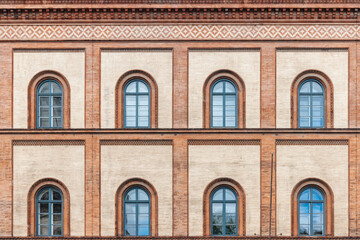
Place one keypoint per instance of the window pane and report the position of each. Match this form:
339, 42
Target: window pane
44, 101
318, 207
304, 230
317, 101
144, 230
229, 88
143, 122
305, 88
230, 111
44, 207
317, 111
44, 230
142, 195
143, 218
57, 208
130, 100
217, 219
131, 195
217, 100
130, 230
131, 88
56, 195
230, 218
144, 100
304, 122
317, 230
217, 121
305, 195
317, 122
143, 111
316, 87
304, 218
230, 230
56, 88
217, 208
317, 219
218, 88
130, 122
230, 100
230, 122
130, 208
57, 230
217, 230
57, 111
218, 195
130, 219
217, 111
44, 122
304, 207
130, 111
57, 122
143, 208
57, 101
45, 88
44, 219
44, 195
304, 101
229, 195
316, 195
57, 219
304, 111
44, 112
142, 88
230, 207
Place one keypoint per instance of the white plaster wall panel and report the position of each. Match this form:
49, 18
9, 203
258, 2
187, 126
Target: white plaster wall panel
158, 63
290, 63
70, 63
207, 163
151, 163
246, 63
64, 163
297, 162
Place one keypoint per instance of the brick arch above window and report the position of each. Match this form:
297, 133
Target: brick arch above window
32, 196
241, 200
329, 204
119, 96
32, 96
241, 96
119, 204
329, 96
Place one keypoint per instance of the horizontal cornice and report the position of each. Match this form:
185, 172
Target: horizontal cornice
176, 13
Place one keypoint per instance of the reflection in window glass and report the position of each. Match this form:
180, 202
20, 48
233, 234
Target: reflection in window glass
311, 212
136, 213
223, 212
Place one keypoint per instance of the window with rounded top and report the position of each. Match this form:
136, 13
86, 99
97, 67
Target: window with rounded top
224, 104
136, 212
137, 104
311, 104
49, 212
311, 212
49, 104
223, 212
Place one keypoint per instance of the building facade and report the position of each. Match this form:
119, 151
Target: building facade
162, 118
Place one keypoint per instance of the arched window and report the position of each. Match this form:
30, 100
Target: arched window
137, 104
312, 209
136, 212
50, 105
311, 212
311, 104
223, 212
224, 104
49, 212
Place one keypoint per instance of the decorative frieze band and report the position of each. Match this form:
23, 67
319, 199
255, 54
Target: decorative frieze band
312, 142
47, 142
135, 142
181, 32
224, 142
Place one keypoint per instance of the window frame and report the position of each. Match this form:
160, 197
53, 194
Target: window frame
224, 202
137, 94
223, 94
236, 80
50, 96
50, 213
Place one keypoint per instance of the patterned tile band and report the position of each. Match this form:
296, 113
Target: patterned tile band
181, 32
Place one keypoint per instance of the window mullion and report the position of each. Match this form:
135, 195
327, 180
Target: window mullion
137, 105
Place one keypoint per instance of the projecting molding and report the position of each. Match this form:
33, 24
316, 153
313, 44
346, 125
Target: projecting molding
182, 32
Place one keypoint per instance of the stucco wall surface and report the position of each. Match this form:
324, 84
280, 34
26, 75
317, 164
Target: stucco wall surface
69, 63
64, 163
295, 163
245, 63
240, 163
151, 163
